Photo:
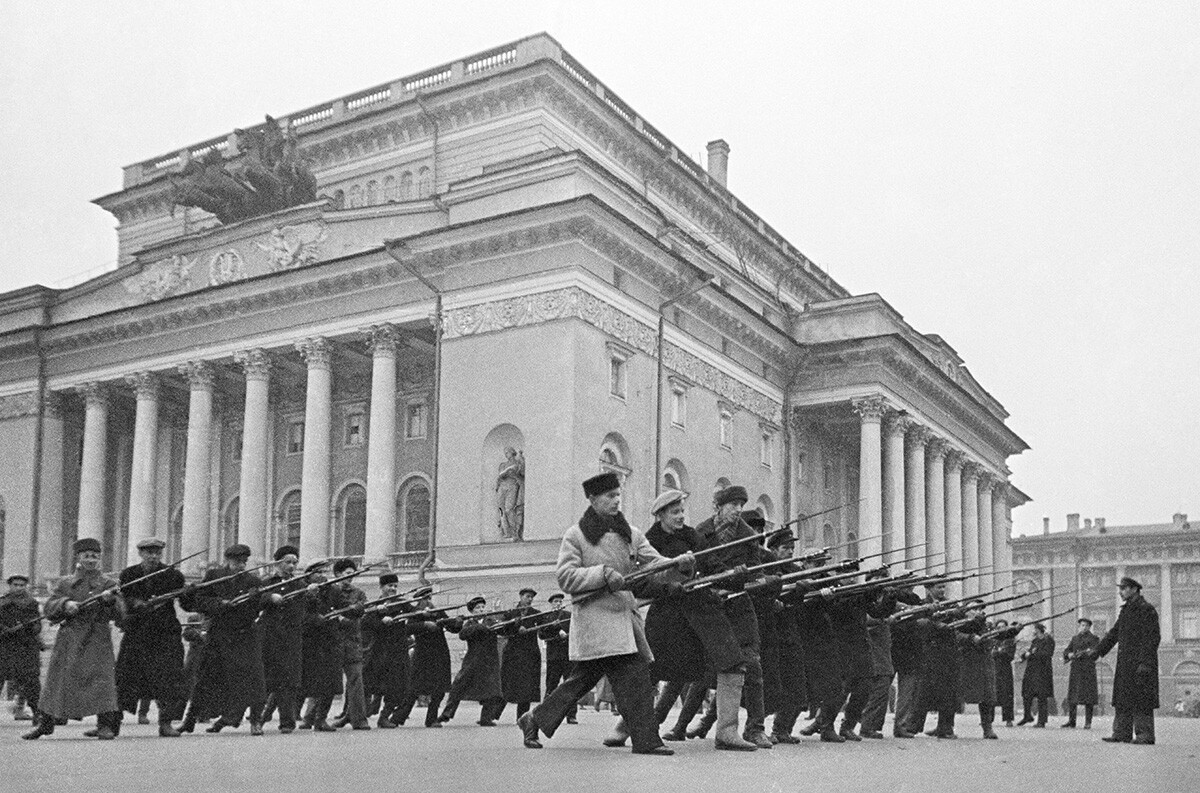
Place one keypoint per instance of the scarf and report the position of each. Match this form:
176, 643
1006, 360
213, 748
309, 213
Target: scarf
594, 526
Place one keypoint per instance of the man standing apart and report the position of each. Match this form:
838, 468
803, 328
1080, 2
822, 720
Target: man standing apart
1037, 684
20, 640
1135, 685
1082, 688
150, 661
607, 636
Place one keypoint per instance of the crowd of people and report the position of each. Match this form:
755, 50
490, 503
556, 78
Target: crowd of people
721, 617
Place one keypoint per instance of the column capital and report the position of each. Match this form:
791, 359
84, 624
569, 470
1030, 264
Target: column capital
971, 469
954, 459
317, 352
870, 409
52, 404
999, 488
383, 339
200, 375
256, 363
937, 447
897, 423
94, 394
919, 434
145, 384
986, 480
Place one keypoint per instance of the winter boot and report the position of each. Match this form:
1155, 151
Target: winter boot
729, 700
618, 736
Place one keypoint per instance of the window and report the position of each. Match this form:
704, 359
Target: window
406, 186
828, 536
414, 420
1185, 574
1100, 578
1187, 623
356, 196
726, 427
339, 199
670, 481
372, 197
390, 192
678, 404
766, 447
352, 521
295, 436
851, 545
618, 370
355, 428
412, 520
289, 517
424, 183
235, 444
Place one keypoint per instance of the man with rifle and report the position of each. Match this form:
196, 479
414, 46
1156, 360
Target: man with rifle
977, 677
282, 627
231, 670
385, 638
940, 672
429, 672
20, 640
1004, 650
521, 659
793, 687
81, 679
1082, 686
321, 661
349, 606
848, 614
150, 661
556, 634
479, 677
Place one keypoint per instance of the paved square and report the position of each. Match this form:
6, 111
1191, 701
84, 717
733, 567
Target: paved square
465, 757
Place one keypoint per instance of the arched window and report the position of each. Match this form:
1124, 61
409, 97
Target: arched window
413, 516
352, 521
289, 519
851, 545
766, 508
356, 196
828, 536
675, 476
229, 524
424, 183
390, 192
372, 197
406, 186
339, 199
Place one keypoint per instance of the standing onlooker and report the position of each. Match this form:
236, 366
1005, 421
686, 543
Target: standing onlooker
1003, 652
1038, 682
1135, 685
1081, 686
20, 641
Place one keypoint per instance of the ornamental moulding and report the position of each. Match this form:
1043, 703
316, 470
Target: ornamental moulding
18, 405
575, 303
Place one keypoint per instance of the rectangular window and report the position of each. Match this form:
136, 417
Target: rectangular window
414, 420
617, 376
1188, 623
678, 406
295, 437
726, 429
355, 429
766, 448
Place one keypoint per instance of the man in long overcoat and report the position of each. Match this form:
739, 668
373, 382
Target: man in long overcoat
282, 627
793, 686
1082, 687
232, 666
20, 640
977, 670
150, 659
429, 670
1135, 684
81, 679
321, 653
521, 658
940, 670
1037, 684
556, 633
349, 605
386, 640
478, 678
608, 636
1004, 650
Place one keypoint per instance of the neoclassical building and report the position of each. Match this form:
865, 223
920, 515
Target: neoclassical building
1083, 564
510, 281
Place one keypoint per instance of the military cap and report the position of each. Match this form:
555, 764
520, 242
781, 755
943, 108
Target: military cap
601, 484
555, 596
341, 565
1132, 582
389, 578
478, 600
528, 589
286, 550
781, 538
16, 577
754, 519
86, 544
237, 551
1084, 621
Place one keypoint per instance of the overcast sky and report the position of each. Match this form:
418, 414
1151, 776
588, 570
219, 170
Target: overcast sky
1022, 178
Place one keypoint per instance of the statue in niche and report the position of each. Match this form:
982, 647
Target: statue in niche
265, 177
510, 495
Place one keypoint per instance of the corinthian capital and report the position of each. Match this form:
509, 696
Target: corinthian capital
255, 363
316, 351
937, 447
919, 435
870, 408
94, 394
383, 339
200, 375
954, 459
971, 469
897, 424
145, 384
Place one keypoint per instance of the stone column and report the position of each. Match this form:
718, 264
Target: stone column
253, 500
1001, 553
970, 524
870, 474
1166, 616
893, 479
987, 582
954, 544
935, 501
92, 484
914, 473
381, 442
196, 482
145, 457
314, 478
50, 498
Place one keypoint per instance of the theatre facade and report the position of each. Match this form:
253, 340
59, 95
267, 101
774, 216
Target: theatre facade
509, 280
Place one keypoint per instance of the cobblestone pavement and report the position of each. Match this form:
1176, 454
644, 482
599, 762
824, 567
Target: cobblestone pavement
463, 756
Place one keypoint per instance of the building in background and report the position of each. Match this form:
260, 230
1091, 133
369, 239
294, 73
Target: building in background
508, 280
1083, 564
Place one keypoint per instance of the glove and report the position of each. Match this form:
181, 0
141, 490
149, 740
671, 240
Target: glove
387, 620
275, 598
687, 564
71, 607
136, 605
313, 588
108, 597
613, 580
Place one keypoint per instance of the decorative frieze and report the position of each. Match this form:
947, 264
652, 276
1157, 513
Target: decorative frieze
289, 247
161, 279
18, 405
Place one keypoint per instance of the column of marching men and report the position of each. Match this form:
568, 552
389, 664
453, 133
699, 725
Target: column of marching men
736, 620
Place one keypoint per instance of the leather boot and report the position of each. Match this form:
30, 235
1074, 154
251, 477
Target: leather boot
729, 700
166, 730
42, 725
706, 723
824, 722
619, 734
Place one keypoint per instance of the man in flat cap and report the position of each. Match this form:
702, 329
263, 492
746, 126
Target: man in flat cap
284, 605
429, 670
231, 670
150, 661
1135, 684
81, 679
1082, 686
607, 637
478, 678
20, 640
385, 646
556, 633
350, 601
521, 658
1037, 684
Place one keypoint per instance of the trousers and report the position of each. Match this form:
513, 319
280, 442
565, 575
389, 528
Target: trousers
632, 687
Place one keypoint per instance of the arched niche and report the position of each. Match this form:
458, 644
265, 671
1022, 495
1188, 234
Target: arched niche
502, 485
614, 458
350, 520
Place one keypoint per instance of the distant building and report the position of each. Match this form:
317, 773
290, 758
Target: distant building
1083, 565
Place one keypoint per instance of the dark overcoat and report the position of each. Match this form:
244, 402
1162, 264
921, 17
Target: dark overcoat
768, 647
822, 662
480, 671
321, 648
1082, 686
231, 669
1038, 680
848, 616
908, 638
940, 672
344, 595
386, 642
557, 635
20, 651
282, 629
1004, 650
81, 678
977, 670
739, 610
879, 637
1135, 684
521, 660
150, 659
430, 668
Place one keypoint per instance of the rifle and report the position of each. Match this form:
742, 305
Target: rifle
715, 578
1017, 627
911, 612
192, 588
803, 518
260, 591
334, 580
400, 599
527, 629
860, 588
